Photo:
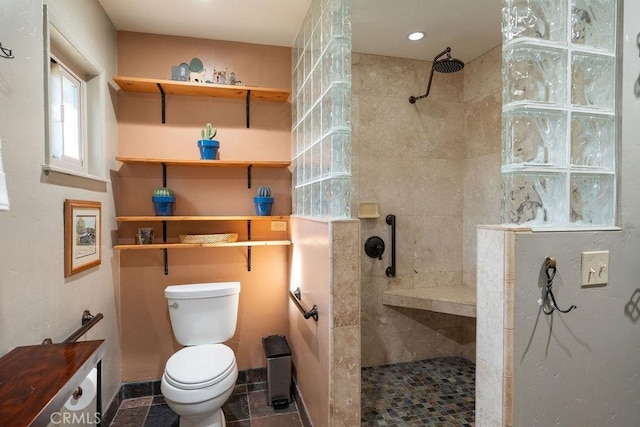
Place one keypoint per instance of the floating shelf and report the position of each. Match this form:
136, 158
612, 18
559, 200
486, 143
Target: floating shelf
199, 218
173, 87
205, 163
204, 245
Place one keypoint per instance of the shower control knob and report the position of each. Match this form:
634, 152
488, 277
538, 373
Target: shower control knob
374, 247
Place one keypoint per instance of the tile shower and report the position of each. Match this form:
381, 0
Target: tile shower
440, 179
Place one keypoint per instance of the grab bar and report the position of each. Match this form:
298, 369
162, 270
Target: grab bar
88, 320
391, 270
297, 298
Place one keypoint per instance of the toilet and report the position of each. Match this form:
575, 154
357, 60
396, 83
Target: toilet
200, 377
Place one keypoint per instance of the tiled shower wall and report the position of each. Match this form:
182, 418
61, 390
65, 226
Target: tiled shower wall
482, 152
419, 163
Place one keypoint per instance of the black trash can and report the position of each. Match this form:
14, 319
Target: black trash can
278, 356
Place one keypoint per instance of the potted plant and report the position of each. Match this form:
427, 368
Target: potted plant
263, 201
207, 145
163, 201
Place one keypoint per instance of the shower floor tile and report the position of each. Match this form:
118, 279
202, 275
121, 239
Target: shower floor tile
432, 392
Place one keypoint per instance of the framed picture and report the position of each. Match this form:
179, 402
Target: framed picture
82, 235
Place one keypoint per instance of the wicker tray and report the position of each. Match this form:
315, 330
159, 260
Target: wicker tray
209, 238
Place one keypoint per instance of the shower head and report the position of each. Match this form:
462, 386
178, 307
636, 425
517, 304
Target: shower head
448, 65
445, 65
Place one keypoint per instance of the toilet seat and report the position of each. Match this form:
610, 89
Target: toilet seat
199, 366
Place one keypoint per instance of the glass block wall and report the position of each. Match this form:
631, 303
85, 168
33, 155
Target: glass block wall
558, 97
321, 109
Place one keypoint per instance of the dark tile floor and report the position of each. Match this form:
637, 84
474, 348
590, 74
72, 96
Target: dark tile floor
433, 392
247, 407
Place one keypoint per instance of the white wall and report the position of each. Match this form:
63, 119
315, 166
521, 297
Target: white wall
36, 301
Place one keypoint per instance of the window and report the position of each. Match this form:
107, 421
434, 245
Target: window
74, 87
67, 98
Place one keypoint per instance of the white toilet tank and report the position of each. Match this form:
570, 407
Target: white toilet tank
203, 313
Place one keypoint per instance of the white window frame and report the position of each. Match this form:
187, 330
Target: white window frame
78, 64
63, 161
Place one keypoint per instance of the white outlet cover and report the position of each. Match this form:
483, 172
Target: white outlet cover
595, 268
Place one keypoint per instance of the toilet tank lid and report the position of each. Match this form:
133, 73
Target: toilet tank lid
202, 290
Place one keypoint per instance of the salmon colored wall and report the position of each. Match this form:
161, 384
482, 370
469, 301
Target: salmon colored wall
147, 340
311, 341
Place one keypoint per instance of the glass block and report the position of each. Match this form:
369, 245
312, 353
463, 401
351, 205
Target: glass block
316, 82
306, 204
592, 81
341, 153
535, 137
340, 19
534, 74
537, 19
316, 199
337, 61
336, 109
592, 199
316, 160
593, 23
325, 187
316, 123
326, 156
340, 198
593, 140
315, 47
326, 28
534, 199
299, 198
306, 167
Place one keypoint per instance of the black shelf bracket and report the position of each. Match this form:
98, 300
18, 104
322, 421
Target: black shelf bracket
248, 108
164, 250
163, 101
249, 176
248, 247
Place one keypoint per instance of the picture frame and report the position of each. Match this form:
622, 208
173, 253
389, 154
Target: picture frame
82, 235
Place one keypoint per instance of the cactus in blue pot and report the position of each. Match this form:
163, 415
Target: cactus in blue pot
207, 145
263, 201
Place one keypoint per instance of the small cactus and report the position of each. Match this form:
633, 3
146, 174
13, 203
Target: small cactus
163, 192
208, 132
264, 191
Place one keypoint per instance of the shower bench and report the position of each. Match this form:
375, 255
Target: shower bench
458, 300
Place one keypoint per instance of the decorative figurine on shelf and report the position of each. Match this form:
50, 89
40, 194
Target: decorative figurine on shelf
263, 201
163, 201
208, 146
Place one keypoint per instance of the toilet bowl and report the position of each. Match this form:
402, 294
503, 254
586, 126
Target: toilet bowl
197, 381
199, 378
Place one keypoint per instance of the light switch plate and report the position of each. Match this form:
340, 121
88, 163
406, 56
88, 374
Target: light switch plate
595, 268
278, 225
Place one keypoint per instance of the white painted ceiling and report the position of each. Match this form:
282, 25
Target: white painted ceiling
469, 27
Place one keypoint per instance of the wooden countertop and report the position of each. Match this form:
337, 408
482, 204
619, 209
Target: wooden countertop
36, 381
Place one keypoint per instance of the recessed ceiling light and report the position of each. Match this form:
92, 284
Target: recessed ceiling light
417, 35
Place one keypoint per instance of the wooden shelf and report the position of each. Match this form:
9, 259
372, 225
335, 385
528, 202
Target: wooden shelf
244, 244
173, 87
200, 218
204, 163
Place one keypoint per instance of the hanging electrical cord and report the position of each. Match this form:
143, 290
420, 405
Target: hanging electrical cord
548, 301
